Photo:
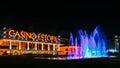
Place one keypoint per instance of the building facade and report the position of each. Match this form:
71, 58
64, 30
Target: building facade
14, 42
117, 42
113, 43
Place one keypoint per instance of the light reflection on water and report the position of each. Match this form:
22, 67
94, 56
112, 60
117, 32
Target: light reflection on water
70, 58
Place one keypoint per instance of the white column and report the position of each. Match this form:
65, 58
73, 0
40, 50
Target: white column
42, 47
19, 46
48, 47
54, 47
28, 46
10, 47
35, 45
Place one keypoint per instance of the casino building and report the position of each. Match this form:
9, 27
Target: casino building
14, 42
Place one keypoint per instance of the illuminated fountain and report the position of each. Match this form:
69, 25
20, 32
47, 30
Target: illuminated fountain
91, 45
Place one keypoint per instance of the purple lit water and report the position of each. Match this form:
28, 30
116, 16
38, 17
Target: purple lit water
91, 45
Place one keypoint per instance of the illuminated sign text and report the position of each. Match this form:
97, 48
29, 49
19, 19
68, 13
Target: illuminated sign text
33, 36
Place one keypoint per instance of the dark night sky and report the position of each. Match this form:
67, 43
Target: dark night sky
61, 18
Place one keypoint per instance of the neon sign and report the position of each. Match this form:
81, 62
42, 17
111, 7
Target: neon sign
33, 36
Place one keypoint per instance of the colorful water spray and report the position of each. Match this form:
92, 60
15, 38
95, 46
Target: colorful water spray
91, 45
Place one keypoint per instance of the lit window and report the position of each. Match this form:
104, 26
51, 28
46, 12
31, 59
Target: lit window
116, 36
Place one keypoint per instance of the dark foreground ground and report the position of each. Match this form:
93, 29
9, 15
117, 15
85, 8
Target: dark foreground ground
42, 63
